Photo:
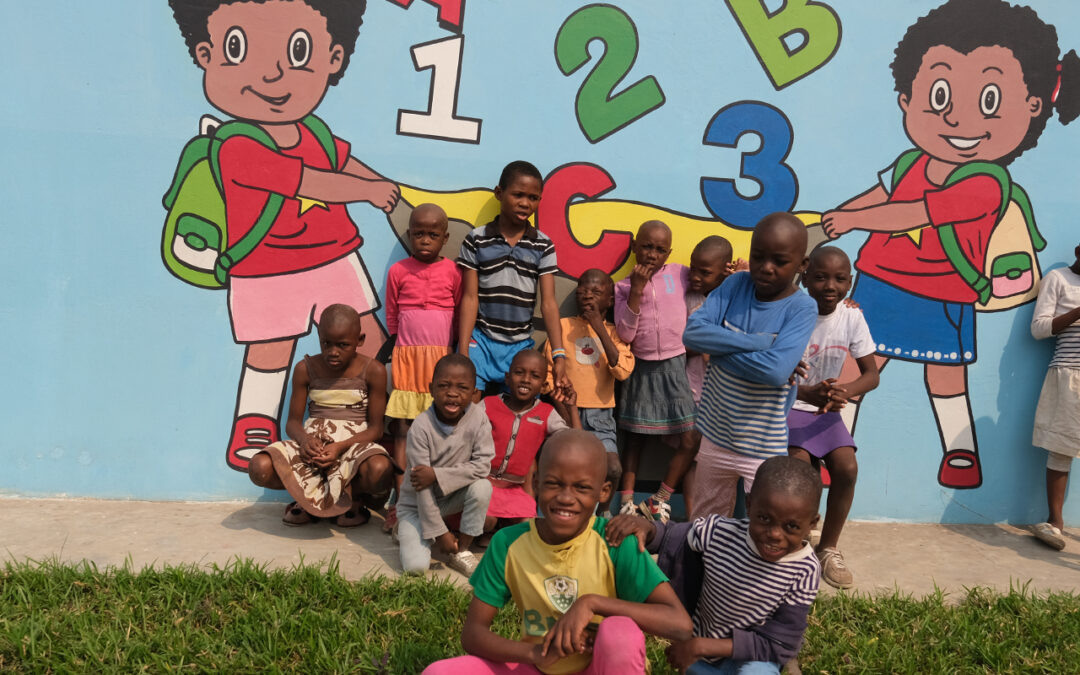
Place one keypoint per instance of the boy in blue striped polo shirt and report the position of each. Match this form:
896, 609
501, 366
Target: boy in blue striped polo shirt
754, 328
504, 264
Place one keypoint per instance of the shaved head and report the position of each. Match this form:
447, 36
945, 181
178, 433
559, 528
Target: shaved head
828, 252
595, 276
788, 475
790, 228
428, 213
713, 245
340, 315
574, 441
653, 224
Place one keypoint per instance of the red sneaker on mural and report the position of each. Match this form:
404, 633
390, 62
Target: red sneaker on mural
960, 469
250, 436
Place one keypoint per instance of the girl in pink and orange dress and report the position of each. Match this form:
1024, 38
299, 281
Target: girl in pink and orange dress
422, 293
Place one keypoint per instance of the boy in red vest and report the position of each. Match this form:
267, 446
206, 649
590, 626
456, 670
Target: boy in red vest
520, 423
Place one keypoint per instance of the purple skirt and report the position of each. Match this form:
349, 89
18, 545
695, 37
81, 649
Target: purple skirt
817, 434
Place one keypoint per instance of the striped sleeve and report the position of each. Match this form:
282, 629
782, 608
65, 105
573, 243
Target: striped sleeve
467, 255
549, 264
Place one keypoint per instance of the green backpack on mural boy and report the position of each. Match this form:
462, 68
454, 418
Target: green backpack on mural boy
257, 203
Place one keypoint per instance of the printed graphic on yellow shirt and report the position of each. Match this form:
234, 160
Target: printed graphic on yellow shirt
562, 591
586, 351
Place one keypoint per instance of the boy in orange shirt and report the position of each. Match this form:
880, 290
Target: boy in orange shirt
596, 357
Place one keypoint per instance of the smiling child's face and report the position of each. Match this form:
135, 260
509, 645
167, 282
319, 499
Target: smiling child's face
780, 522
267, 62
526, 377
569, 483
966, 107
828, 280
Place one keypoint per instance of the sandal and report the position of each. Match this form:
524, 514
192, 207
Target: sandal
1049, 535
296, 516
356, 516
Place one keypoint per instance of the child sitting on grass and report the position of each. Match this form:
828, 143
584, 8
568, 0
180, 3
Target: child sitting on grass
333, 458
449, 452
754, 328
563, 578
520, 423
596, 358
750, 583
815, 428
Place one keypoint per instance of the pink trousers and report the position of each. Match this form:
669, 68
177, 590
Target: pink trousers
619, 649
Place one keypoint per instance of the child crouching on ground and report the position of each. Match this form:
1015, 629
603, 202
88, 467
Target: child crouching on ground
563, 578
754, 328
815, 428
520, 423
333, 459
449, 451
596, 358
749, 583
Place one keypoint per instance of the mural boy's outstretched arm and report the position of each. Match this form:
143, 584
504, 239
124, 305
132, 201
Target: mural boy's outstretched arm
890, 217
341, 188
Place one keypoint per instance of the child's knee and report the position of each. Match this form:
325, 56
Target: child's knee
614, 468
620, 645
261, 470
479, 491
375, 474
842, 465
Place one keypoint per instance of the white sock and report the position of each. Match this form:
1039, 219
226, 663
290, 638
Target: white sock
849, 414
261, 392
953, 415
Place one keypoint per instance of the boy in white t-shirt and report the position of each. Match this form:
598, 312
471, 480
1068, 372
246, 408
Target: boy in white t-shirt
816, 430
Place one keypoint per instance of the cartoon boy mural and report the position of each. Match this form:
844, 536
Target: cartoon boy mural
977, 82
269, 63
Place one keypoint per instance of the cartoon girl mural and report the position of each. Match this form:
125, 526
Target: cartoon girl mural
977, 82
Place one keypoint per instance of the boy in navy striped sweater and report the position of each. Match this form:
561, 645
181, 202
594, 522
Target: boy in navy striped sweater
748, 583
754, 328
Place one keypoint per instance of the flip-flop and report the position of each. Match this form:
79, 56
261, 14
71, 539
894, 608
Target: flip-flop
1049, 535
296, 516
356, 516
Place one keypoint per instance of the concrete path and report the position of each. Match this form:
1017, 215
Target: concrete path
883, 556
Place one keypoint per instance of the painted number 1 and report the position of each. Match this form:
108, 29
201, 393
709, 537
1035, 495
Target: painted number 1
440, 120
599, 113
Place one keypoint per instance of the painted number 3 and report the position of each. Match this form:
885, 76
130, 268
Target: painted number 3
599, 113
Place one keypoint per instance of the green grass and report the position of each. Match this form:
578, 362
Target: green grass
58, 618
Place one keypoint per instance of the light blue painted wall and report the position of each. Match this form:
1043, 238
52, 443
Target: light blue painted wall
121, 380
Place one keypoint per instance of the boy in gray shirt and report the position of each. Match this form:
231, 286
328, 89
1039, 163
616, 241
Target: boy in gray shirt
449, 452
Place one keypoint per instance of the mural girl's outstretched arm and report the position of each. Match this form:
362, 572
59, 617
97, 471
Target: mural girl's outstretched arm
872, 197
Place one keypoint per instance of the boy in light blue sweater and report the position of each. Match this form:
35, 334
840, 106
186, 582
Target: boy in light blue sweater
754, 327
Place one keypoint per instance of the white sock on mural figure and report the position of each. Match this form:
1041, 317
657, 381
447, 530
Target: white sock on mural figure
953, 415
261, 392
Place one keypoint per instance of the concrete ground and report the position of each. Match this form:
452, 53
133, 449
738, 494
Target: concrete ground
912, 558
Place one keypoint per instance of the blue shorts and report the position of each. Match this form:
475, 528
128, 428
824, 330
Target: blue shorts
733, 667
601, 423
492, 358
913, 328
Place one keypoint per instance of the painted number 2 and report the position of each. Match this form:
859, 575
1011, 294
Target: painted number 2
765, 166
440, 121
599, 113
